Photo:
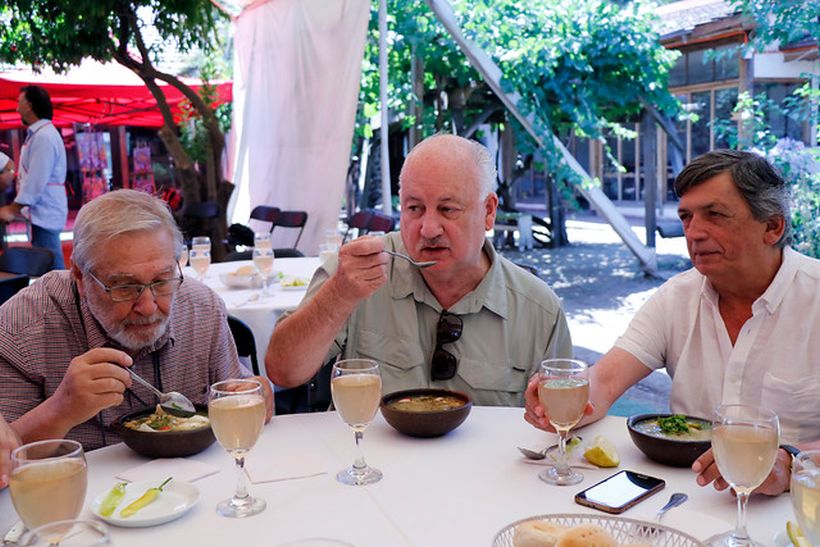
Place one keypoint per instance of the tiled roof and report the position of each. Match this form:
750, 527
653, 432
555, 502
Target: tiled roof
687, 14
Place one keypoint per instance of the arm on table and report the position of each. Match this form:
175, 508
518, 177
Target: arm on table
300, 342
8, 442
93, 381
776, 483
616, 372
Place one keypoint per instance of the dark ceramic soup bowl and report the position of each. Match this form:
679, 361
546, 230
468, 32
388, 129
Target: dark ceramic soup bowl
676, 450
425, 417
164, 444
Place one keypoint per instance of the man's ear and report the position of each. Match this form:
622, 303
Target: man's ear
490, 207
775, 227
78, 277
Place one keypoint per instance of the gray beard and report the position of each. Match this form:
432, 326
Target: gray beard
120, 332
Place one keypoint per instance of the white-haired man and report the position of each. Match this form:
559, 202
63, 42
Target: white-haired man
474, 321
65, 340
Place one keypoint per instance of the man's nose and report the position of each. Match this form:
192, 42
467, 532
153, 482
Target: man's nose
146, 304
431, 226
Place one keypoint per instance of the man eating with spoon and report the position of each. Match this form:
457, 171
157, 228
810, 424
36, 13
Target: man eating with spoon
473, 321
65, 339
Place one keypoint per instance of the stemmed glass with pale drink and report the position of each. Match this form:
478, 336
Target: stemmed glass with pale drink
48, 481
68, 533
805, 492
200, 255
263, 257
563, 391
744, 444
356, 387
236, 409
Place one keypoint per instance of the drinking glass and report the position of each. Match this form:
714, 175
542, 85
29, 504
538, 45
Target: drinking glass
563, 392
200, 255
263, 258
183, 256
805, 493
744, 444
68, 533
356, 388
236, 409
48, 481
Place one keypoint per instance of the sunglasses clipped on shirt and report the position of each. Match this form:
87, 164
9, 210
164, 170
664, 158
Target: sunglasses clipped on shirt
444, 364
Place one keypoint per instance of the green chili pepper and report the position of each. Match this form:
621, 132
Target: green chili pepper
112, 499
148, 497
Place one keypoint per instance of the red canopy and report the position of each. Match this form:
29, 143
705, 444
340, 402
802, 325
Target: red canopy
96, 93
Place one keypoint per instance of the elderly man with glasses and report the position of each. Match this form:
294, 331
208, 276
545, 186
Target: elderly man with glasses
66, 339
473, 322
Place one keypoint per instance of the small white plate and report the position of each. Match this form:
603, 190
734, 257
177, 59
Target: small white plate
234, 281
176, 499
287, 283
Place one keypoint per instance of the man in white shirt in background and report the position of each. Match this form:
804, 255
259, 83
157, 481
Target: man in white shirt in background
740, 327
42, 174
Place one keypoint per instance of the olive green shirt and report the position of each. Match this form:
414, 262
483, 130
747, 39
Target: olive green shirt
512, 321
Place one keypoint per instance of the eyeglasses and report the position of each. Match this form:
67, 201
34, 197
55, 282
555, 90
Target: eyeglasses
448, 330
132, 291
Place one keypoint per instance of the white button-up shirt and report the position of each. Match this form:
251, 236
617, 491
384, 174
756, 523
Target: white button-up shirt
774, 363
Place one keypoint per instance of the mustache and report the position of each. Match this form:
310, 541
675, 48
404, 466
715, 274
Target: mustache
142, 321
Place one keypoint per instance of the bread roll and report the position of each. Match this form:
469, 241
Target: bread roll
586, 535
537, 533
244, 270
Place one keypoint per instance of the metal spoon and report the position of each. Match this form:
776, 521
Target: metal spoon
676, 499
541, 454
174, 402
411, 261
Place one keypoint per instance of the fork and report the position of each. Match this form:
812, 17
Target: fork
411, 261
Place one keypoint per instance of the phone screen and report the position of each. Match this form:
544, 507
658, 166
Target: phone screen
620, 491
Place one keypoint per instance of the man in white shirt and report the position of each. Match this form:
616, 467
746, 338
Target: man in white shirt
740, 327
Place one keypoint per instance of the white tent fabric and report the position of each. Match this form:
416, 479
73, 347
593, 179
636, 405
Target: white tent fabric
297, 68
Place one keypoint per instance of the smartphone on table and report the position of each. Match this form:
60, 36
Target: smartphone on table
619, 492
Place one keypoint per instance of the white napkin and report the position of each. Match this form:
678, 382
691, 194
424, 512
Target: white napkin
286, 465
180, 468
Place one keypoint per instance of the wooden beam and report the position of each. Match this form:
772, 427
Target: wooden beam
492, 76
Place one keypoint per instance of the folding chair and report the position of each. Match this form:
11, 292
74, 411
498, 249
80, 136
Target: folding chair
360, 221
245, 342
380, 222
34, 261
291, 219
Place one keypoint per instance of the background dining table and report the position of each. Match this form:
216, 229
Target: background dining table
459, 489
260, 313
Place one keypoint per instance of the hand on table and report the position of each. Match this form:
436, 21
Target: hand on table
94, 381
775, 484
8, 442
535, 414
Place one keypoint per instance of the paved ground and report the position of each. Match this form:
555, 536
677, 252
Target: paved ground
602, 285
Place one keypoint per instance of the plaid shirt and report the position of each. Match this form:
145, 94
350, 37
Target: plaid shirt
47, 324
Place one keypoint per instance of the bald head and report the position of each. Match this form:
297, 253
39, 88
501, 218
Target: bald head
451, 152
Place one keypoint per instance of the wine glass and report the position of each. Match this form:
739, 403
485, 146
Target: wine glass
563, 392
805, 493
744, 444
48, 481
68, 533
356, 388
263, 258
183, 256
236, 409
200, 255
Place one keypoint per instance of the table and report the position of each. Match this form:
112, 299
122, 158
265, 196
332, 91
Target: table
262, 313
459, 489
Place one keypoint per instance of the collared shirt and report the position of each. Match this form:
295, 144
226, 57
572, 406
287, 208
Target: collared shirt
512, 321
775, 361
47, 324
41, 176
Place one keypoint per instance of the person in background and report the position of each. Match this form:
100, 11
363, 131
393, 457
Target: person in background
66, 339
6, 172
41, 176
473, 322
742, 326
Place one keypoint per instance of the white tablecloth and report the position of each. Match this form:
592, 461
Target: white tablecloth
459, 489
260, 313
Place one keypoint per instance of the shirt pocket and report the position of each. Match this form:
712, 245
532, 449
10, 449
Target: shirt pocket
796, 403
506, 380
395, 356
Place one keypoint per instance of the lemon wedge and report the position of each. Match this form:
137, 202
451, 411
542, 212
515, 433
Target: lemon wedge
796, 535
602, 453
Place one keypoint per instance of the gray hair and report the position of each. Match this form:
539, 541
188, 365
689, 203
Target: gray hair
758, 181
482, 157
117, 213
